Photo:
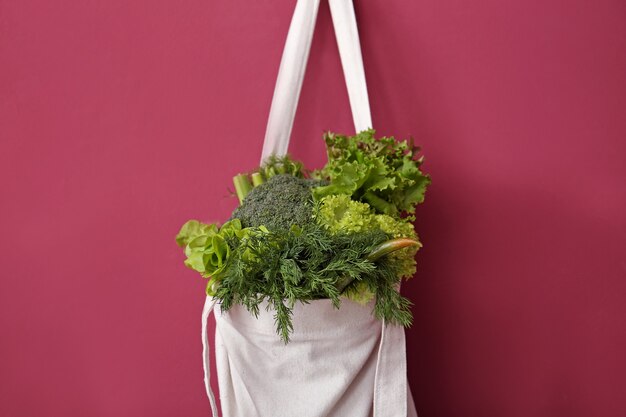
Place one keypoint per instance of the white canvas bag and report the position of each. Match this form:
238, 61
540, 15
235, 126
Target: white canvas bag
340, 363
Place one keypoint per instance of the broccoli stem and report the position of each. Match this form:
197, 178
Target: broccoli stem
242, 186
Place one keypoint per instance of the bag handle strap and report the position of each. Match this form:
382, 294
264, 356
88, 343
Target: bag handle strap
209, 304
347, 34
390, 381
293, 66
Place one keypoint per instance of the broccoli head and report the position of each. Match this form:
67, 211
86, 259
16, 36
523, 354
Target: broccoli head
279, 203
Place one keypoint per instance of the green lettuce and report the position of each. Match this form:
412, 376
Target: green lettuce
206, 247
381, 172
341, 214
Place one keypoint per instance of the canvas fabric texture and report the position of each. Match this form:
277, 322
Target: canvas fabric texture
329, 367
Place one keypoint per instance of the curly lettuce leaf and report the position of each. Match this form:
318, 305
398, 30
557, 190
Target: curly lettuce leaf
208, 247
205, 248
382, 172
191, 230
341, 214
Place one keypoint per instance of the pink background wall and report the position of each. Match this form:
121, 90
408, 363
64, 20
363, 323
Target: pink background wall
119, 120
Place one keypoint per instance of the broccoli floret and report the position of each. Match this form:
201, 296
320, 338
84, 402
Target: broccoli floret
279, 203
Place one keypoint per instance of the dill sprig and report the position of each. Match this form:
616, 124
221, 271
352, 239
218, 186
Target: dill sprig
308, 263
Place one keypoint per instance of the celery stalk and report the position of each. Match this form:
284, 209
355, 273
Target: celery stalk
257, 179
242, 186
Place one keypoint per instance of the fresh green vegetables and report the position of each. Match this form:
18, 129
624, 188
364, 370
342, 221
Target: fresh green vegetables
345, 233
279, 203
381, 172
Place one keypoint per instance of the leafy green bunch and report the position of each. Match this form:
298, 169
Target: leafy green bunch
383, 173
300, 265
341, 214
345, 233
208, 247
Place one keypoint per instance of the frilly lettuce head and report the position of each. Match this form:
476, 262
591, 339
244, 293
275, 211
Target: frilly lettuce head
341, 214
381, 172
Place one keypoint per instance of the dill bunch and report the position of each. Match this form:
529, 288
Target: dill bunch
308, 263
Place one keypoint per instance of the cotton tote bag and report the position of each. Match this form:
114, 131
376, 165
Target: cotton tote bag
339, 362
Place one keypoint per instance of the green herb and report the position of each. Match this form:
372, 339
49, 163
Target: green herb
281, 165
339, 213
299, 265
